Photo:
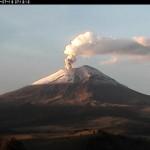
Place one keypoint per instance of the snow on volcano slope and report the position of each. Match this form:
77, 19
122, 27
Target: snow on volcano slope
61, 76
76, 86
80, 74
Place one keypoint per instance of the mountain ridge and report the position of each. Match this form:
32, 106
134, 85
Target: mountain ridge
77, 86
71, 76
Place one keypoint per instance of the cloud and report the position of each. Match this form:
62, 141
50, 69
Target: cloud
89, 44
113, 60
142, 40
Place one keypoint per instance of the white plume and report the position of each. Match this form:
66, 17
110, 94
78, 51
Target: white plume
88, 44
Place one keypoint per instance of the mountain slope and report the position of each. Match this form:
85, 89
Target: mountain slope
77, 86
75, 75
79, 98
84, 85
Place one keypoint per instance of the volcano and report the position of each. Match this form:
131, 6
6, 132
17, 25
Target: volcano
83, 85
78, 97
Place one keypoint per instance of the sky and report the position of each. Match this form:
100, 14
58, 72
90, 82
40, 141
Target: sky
33, 39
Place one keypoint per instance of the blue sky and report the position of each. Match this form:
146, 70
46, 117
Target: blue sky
33, 38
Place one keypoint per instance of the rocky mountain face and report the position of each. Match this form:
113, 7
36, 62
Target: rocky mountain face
84, 85
77, 98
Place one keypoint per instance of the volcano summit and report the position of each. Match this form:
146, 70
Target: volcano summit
83, 85
75, 75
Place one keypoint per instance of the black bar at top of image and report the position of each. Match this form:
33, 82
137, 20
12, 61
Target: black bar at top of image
78, 2
88, 2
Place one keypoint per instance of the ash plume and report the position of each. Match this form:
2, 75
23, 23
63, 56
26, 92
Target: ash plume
69, 60
89, 44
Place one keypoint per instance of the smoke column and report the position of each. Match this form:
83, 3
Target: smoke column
89, 44
69, 61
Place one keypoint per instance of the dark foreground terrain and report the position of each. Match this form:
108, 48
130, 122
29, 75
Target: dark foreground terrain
72, 112
79, 140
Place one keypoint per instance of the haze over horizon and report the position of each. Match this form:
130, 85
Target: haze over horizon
33, 40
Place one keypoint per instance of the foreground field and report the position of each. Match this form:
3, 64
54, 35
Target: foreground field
86, 139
